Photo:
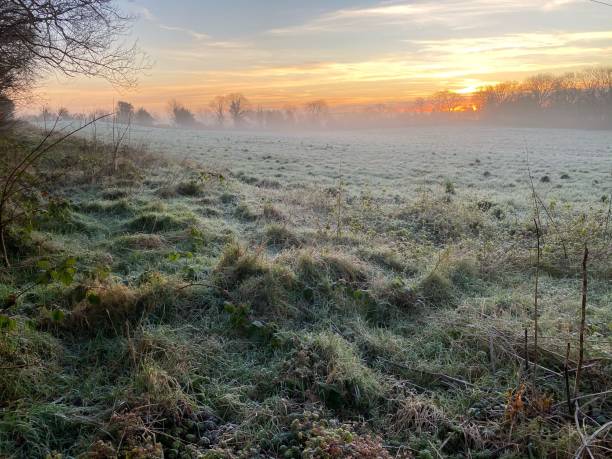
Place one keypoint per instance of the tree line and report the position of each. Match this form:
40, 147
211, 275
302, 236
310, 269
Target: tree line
577, 99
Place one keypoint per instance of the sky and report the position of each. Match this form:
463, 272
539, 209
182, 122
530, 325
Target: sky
351, 53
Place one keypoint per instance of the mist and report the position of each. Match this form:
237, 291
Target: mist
581, 100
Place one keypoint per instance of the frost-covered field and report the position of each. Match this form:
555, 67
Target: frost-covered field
488, 161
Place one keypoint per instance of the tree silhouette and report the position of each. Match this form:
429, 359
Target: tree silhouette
217, 105
238, 105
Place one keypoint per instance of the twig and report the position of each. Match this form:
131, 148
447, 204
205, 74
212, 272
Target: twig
587, 441
582, 320
582, 397
535, 302
526, 352
492, 353
570, 406
584, 441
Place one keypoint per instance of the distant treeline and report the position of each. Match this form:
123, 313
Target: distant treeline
581, 100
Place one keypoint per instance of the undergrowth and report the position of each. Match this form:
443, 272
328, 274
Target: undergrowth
165, 310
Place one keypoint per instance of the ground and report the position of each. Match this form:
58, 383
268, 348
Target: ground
177, 307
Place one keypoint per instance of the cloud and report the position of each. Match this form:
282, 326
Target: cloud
451, 12
518, 40
455, 63
191, 33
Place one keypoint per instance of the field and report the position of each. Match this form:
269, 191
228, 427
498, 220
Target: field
492, 162
310, 295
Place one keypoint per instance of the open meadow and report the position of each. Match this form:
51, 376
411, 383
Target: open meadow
487, 161
324, 295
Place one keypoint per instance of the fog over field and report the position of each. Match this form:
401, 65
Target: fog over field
566, 164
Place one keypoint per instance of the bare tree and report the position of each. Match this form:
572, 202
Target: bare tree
289, 114
217, 106
73, 37
317, 111
420, 105
447, 101
541, 87
238, 106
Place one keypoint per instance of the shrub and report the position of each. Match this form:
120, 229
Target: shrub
449, 187
228, 198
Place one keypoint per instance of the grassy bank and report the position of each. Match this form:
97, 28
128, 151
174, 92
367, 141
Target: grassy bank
160, 308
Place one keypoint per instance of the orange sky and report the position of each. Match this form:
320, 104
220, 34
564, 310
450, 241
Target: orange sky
343, 51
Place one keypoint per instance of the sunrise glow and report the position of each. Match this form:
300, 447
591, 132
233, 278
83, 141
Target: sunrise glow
344, 52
